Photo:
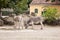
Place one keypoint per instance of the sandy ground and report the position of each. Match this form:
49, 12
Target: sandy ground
48, 33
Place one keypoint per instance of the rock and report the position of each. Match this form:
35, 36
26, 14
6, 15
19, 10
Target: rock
1, 22
9, 20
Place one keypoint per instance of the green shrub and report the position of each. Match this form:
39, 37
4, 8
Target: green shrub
50, 14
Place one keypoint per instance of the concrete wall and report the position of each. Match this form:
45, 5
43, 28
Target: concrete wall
39, 7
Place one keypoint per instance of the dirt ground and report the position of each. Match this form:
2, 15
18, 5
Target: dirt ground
48, 33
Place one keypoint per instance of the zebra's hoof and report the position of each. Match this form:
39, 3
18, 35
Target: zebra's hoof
41, 28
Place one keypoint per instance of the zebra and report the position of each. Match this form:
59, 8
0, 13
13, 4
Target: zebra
24, 20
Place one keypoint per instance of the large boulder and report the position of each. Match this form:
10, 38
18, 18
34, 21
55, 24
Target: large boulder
1, 22
9, 20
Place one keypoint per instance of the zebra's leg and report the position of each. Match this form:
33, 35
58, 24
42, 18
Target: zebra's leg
26, 25
32, 25
41, 25
15, 25
19, 25
22, 25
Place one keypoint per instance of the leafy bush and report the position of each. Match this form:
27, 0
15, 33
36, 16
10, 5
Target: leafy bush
50, 14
